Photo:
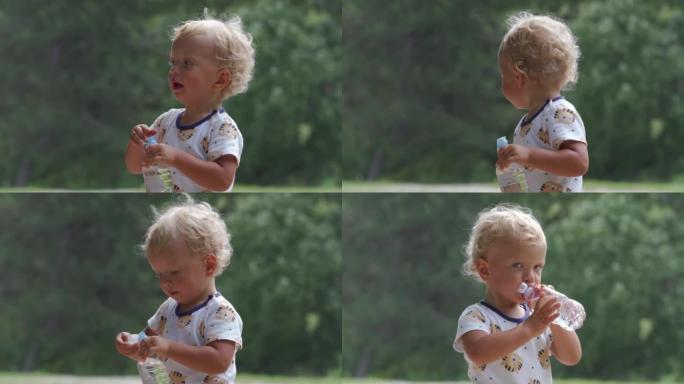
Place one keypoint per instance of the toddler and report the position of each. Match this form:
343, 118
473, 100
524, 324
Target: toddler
502, 338
196, 331
211, 60
538, 58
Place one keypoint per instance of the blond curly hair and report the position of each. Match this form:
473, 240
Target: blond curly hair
233, 47
197, 224
503, 221
542, 47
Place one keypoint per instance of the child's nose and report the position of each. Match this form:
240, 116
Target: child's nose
528, 277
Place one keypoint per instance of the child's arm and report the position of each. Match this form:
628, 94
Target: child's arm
215, 175
483, 348
566, 346
135, 151
212, 359
570, 160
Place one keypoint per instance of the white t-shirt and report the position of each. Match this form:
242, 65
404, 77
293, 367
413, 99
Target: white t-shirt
214, 136
555, 123
215, 319
528, 364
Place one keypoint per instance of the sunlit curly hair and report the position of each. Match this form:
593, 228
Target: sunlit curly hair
233, 47
503, 221
198, 224
542, 47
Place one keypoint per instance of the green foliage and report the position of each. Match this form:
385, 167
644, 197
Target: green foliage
81, 75
633, 58
73, 277
432, 71
404, 288
287, 277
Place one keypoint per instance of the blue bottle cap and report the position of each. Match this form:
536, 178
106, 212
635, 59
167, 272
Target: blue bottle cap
501, 142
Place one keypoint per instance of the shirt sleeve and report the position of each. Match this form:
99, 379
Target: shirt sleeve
222, 323
224, 139
566, 125
472, 319
160, 127
157, 322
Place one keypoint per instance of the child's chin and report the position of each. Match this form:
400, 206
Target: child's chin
180, 98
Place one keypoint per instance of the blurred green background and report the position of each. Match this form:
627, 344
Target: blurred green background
77, 76
422, 100
404, 290
71, 278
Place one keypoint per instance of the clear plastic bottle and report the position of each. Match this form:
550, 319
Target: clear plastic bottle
157, 179
512, 178
572, 313
151, 370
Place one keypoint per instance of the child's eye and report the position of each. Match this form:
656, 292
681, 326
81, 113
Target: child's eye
187, 63
538, 268
517, 265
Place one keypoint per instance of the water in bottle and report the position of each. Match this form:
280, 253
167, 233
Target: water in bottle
571, 312
512, 178
151, 370
157, 179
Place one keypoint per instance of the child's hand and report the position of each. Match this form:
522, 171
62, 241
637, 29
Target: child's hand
160, 154
124, 348
140, 133
154, 345
545, 312
513, 153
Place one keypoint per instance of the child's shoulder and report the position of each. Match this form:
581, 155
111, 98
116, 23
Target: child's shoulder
475, 312
220, 306
173, 112
223, 118
168, 306
169, 116
560, 106
222, 125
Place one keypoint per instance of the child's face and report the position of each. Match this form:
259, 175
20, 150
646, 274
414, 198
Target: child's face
182, 276
512, 84
194, 70
511, 262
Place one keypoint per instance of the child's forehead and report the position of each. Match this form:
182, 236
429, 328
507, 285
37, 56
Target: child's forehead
175, 250
194, 45
511, 248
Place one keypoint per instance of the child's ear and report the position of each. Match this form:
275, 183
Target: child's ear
223, 79
210, 264
482, 268
520, 74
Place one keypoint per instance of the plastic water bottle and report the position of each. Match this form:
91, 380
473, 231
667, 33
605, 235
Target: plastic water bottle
572, 313
157, 179
511, 178
152, 370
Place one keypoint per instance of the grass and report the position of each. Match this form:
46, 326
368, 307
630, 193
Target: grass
590, 185
556, 381
237, 189
242, 378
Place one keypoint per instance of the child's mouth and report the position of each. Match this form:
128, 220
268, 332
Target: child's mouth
176, 85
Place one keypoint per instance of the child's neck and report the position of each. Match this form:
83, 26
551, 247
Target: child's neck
536, 100
507, 307
201, 298
195, 113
